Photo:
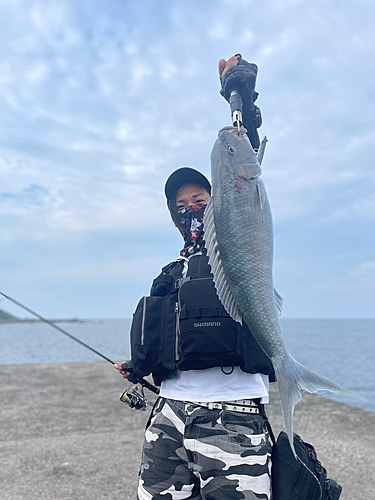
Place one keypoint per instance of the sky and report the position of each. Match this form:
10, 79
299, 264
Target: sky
101, 101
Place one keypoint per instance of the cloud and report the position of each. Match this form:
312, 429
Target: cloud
361, 209
220, 30
349, 293
95, 272
366, 271
101, 102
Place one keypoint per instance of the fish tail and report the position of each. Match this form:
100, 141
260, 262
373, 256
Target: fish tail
292, 378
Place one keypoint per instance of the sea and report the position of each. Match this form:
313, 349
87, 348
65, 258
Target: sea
341, 350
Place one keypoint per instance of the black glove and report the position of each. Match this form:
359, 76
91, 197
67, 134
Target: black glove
242, 78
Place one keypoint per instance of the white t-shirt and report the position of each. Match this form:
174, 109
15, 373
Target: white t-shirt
212, 384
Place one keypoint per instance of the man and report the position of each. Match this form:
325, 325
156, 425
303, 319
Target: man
206, 438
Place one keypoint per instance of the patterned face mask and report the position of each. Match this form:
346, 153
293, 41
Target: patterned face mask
191, 228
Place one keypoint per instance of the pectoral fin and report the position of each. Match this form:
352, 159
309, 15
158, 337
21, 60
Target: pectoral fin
279, 301
261, 193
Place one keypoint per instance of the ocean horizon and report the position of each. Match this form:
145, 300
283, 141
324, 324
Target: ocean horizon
341, 350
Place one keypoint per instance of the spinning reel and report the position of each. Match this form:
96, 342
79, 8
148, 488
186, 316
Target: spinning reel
134, 398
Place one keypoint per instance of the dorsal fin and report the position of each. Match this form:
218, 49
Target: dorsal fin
221, 284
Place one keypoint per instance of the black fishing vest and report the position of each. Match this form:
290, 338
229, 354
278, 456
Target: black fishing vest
183, 326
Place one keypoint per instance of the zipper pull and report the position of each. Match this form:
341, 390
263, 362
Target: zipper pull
176, 310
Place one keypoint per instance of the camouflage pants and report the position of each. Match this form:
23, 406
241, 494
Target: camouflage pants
194, 453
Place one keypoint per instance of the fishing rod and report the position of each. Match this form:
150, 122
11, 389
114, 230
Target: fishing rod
61, 330
132, 397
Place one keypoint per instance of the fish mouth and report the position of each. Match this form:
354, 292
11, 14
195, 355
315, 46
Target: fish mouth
229, 128
246, 172
232, 136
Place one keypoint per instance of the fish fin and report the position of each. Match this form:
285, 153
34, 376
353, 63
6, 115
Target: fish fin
279, 301
262, 194
292, 378
262, 149
222, 287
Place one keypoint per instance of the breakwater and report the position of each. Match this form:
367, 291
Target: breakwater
65, 435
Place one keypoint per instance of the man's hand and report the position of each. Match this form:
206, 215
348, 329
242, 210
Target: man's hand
122, 371
224, 65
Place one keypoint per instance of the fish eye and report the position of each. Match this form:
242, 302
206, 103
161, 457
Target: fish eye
232, 150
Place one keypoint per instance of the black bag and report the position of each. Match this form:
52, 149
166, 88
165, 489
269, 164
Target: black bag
153, 329
303, 478
153, 337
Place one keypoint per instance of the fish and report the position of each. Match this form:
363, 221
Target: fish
239, 241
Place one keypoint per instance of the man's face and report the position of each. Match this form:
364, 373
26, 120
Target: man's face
191, 194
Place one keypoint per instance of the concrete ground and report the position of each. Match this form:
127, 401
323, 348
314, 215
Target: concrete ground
64, 434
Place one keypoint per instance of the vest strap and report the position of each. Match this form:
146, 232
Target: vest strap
163, 278
181, 281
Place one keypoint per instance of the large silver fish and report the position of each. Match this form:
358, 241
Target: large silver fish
239, 241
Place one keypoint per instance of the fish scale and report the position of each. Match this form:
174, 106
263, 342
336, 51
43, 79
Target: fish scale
239, 241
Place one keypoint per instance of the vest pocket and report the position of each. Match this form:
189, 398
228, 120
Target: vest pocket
152, 336
207, 342
145, 334
207, 335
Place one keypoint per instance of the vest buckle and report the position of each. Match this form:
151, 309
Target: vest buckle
181, 281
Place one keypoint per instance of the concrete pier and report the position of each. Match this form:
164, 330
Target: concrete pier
64, 434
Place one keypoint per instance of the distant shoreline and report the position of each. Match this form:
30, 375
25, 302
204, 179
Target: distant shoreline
71, 320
